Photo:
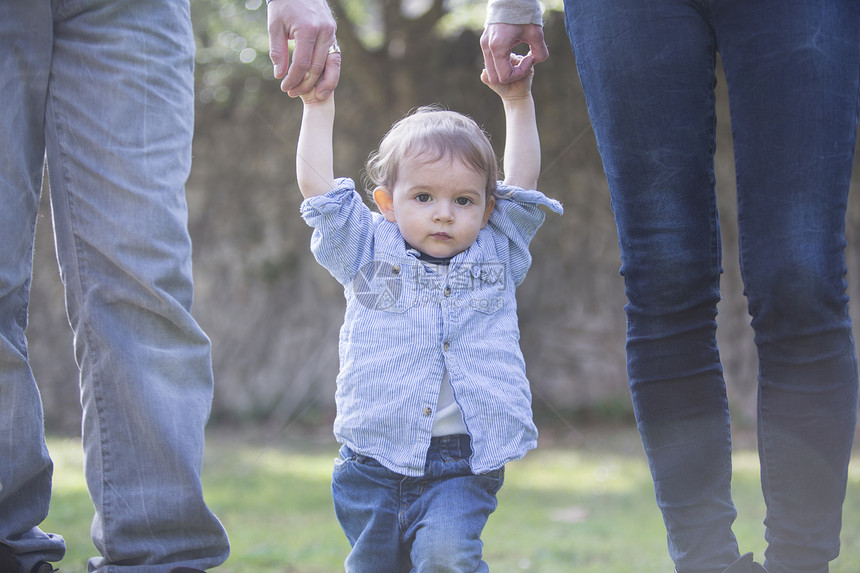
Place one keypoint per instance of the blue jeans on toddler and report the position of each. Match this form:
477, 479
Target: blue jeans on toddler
792, 68
400, 524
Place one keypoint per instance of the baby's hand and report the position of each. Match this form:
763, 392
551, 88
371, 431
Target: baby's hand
312, 97
515, 90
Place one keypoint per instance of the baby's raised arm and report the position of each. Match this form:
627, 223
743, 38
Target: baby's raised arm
314, 155
522, 144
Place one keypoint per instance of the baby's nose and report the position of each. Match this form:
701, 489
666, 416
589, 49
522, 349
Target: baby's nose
443, 212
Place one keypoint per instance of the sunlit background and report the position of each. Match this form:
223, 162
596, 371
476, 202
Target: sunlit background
584, 498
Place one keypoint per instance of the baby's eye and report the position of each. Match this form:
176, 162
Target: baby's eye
422, 197
463, 201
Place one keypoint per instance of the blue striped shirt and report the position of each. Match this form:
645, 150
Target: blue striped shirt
405, 326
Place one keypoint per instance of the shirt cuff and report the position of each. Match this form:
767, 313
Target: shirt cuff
344, 189
514, 12
520, 195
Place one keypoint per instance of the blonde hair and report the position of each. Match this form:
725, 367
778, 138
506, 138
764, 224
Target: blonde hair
429, 134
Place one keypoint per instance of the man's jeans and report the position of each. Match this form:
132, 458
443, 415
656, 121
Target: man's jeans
422, 524
105, 88
792, 67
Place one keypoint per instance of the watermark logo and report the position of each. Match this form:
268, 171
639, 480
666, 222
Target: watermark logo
378, 285
382, 285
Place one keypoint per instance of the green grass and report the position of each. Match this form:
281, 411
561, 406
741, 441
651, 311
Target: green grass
580, 503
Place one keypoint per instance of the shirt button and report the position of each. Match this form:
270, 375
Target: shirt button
395, 270
446, 346
428, 411
447, 291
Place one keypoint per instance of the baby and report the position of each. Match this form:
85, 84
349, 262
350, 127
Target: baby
432, 396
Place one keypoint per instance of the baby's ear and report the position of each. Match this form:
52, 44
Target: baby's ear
385, 202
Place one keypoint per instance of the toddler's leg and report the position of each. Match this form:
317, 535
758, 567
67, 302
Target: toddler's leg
366, 502
447, 511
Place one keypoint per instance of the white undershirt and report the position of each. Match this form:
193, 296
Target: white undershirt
449, 418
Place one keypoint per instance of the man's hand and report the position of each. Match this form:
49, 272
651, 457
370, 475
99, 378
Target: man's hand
310, 24
498, 42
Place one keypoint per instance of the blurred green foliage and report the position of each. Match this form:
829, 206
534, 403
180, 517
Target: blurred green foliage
233, 44
232, 47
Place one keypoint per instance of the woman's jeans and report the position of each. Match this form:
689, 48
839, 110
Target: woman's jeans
105, 89
398, 524
792, 67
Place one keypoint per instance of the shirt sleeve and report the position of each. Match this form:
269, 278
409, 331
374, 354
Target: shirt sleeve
343, 230
514, 12
518, 215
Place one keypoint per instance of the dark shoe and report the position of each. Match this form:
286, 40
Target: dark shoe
10, 564
742, 565
745, 564
186, 570
8, 561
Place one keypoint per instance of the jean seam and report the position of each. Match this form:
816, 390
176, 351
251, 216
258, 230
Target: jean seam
74, 285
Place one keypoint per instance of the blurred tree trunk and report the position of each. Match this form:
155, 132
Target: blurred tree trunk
389, 77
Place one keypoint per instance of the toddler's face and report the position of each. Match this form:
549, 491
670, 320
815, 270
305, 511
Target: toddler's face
439, 206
